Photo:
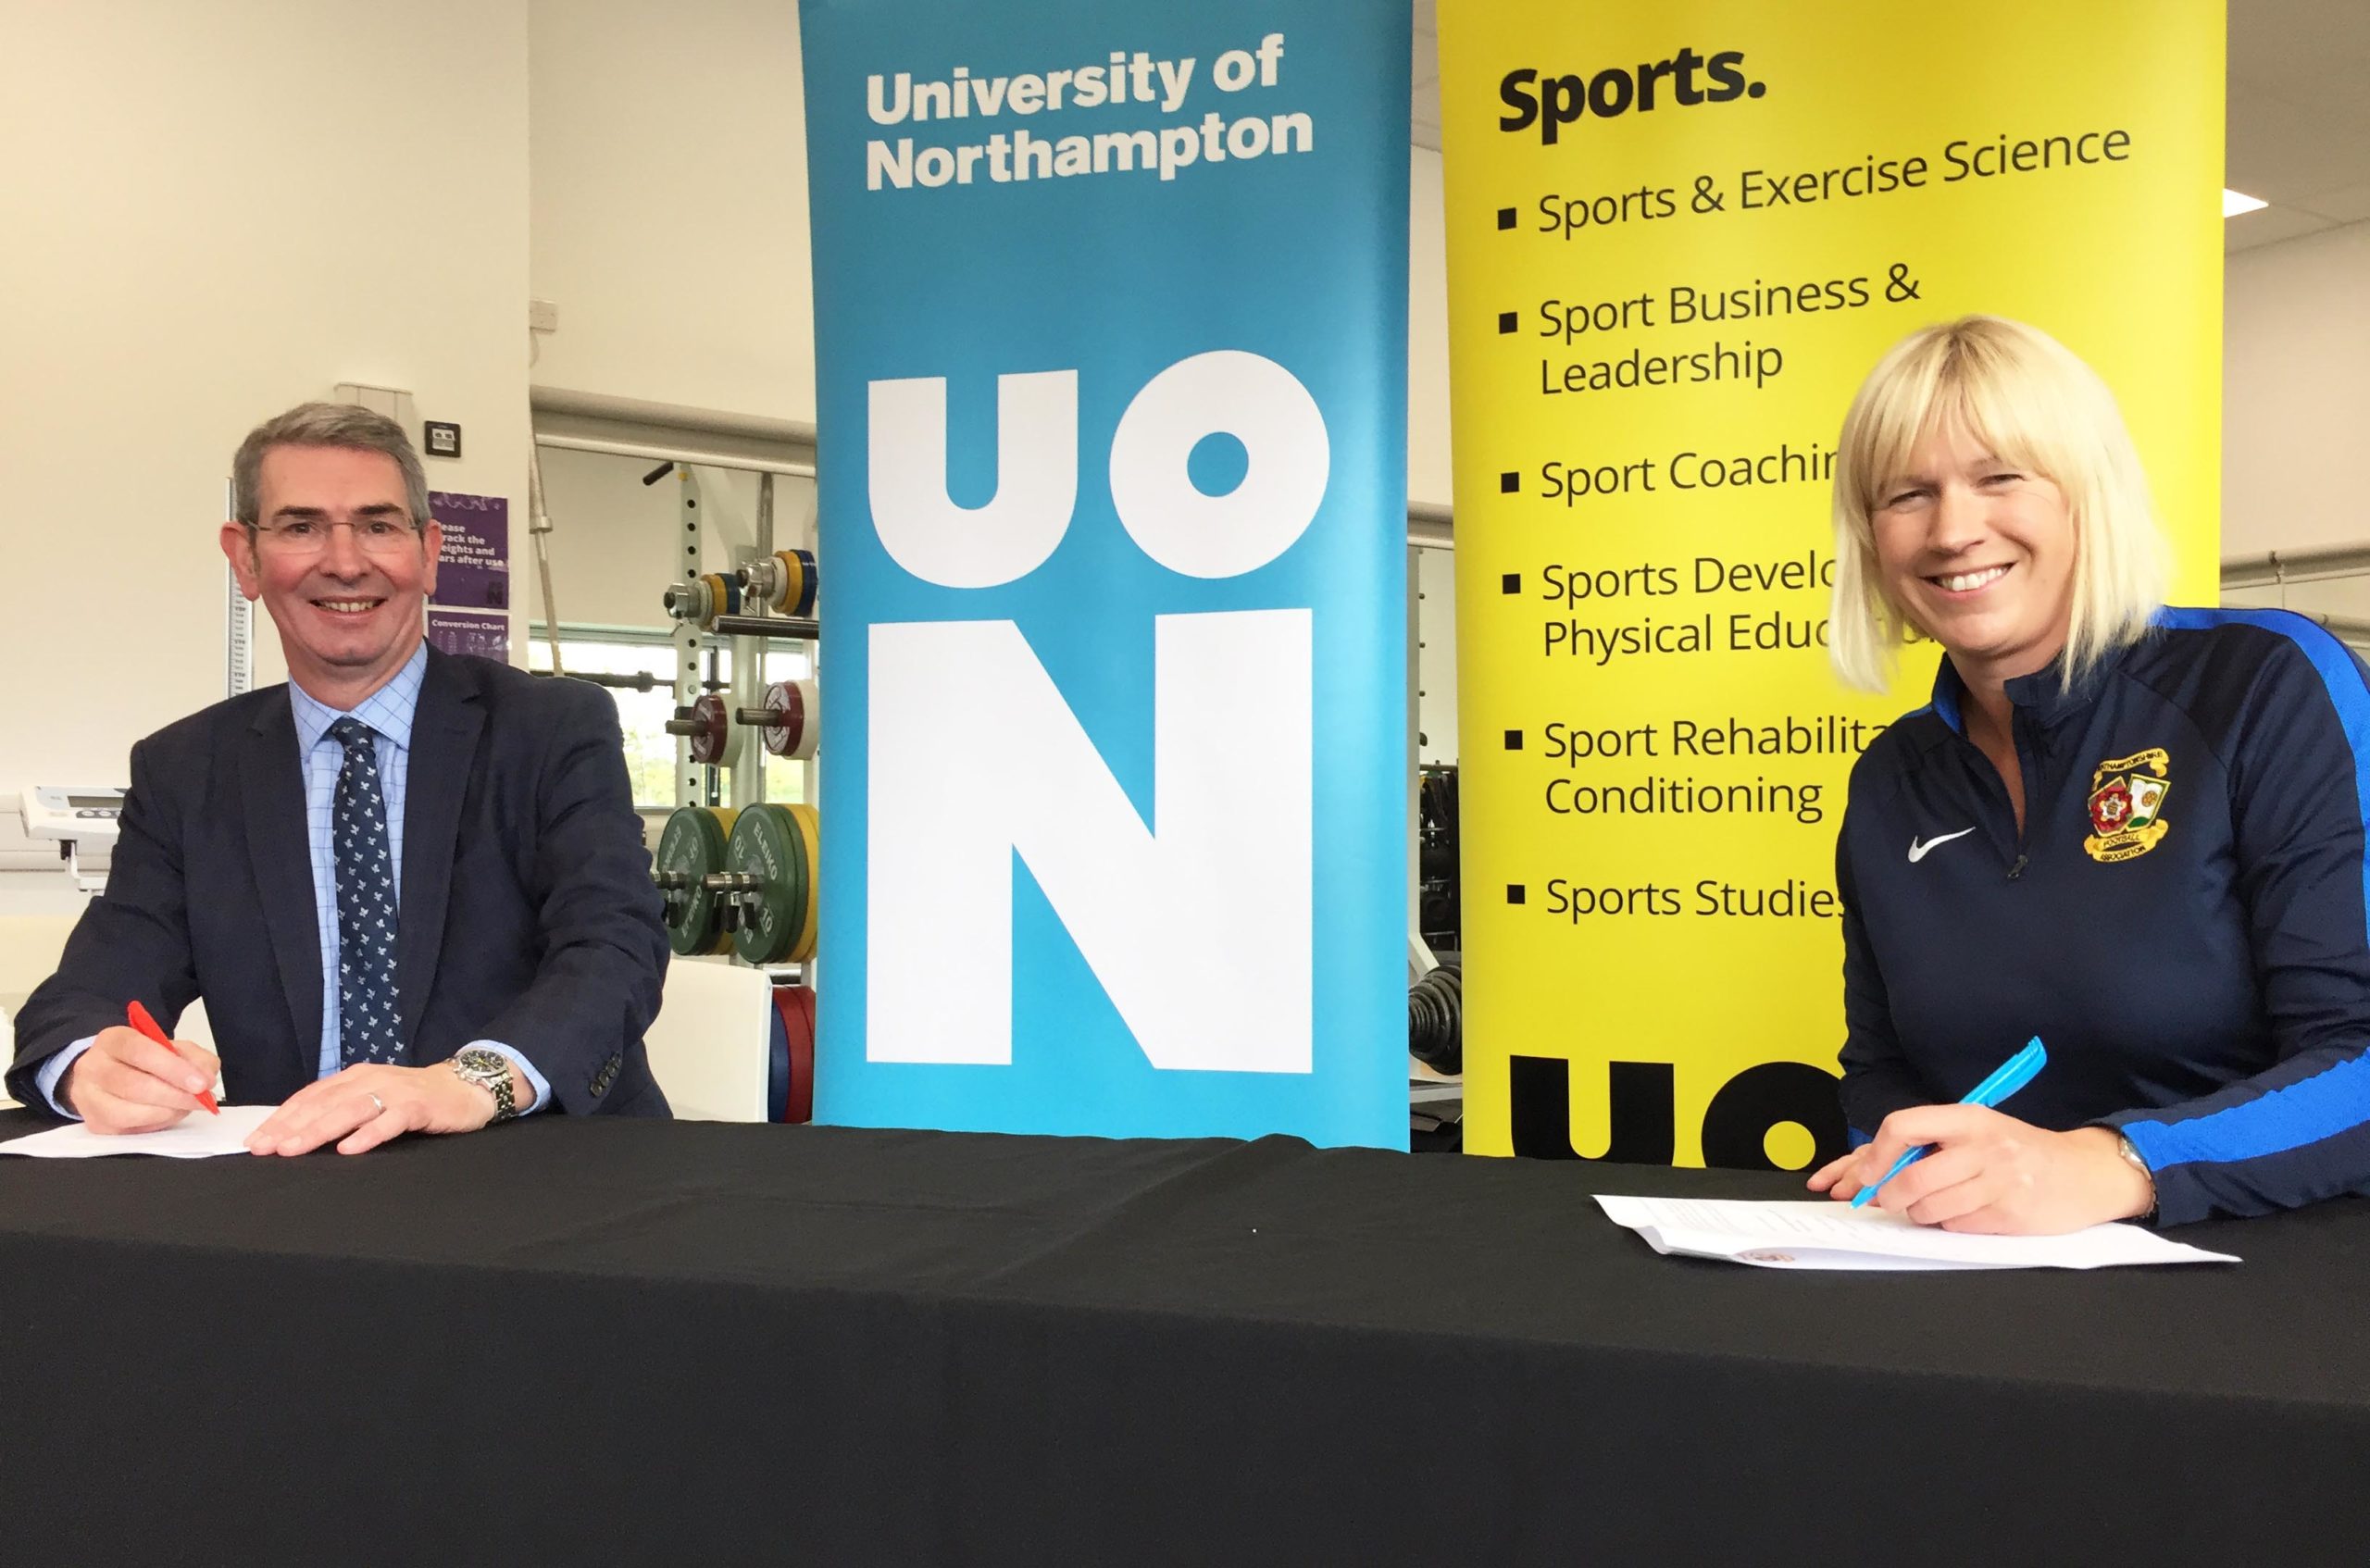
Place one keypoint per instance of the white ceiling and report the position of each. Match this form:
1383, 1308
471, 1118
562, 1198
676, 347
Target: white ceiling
2299, 112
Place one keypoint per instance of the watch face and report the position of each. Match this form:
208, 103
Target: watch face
489, 1070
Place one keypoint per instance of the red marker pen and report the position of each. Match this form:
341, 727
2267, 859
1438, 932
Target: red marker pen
147, 1026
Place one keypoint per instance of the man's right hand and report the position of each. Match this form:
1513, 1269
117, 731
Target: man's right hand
127, 1082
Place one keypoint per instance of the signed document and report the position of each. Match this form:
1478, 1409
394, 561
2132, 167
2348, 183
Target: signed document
200, 1136
1822, 1234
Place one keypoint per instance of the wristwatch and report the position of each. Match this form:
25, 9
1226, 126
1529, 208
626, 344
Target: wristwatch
489, 1070
2138, 1162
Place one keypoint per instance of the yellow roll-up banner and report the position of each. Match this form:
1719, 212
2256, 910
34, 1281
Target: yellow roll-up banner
1679, 234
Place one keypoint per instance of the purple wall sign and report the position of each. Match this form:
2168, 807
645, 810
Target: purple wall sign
472, 574
483, 632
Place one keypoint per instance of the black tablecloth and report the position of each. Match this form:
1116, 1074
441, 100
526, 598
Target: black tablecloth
598, 1341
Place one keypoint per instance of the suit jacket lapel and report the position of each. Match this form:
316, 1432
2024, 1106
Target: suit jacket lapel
272, 780
444, 729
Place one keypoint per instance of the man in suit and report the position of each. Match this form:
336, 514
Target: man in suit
411, 887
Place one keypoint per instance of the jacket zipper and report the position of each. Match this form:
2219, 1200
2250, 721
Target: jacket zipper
2030, 773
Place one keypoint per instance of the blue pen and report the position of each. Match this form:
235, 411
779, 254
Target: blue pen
2014, 1075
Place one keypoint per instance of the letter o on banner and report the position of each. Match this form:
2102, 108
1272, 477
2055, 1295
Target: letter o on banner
1740, 1118
1260, 403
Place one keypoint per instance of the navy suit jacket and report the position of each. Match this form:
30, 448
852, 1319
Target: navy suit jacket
528, 914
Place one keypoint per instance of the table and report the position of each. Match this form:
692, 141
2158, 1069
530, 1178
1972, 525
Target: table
596, 1342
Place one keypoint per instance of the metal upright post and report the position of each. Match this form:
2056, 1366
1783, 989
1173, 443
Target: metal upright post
238, 628
810, 771
744, 751
809, 538
1415, 768
689, 775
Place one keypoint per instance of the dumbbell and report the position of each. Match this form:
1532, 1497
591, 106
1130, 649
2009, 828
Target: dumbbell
790, 718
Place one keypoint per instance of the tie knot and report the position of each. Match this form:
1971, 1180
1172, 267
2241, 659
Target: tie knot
350, 733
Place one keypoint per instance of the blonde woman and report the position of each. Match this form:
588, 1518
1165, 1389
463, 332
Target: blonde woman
2133, 831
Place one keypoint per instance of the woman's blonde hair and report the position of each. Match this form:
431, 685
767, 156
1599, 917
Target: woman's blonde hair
2034, 402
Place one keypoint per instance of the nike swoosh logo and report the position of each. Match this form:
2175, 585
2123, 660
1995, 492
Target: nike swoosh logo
1918, 852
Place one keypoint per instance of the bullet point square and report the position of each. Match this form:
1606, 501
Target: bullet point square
1509, 484
1506, 217
1514, 739
1513, 892
1505, 321
1510, 583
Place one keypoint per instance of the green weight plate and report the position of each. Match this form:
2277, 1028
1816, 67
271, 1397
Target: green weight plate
801, 890
693, 844
765, 845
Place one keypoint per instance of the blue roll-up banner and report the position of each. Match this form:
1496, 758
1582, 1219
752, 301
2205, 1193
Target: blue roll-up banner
1110, 325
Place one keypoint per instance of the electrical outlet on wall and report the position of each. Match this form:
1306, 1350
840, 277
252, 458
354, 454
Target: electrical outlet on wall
542, 315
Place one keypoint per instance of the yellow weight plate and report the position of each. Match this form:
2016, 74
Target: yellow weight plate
810, 838
809, 581
793, 578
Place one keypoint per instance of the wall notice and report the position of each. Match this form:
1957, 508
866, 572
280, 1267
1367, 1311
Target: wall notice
472, 575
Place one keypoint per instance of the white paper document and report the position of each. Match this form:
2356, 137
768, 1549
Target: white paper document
1822, 1234
200, 1136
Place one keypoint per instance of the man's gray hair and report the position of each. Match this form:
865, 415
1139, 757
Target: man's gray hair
326, 424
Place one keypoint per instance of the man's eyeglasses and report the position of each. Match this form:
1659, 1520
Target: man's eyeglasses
310, 536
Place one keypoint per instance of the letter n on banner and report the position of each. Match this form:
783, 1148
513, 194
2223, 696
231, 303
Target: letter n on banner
1680, 233
1111, 353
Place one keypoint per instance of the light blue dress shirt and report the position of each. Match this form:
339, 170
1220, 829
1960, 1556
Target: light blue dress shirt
388, 713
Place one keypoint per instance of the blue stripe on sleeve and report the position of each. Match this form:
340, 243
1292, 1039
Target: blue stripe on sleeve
2338, 672
2334, 1100
2337, 1099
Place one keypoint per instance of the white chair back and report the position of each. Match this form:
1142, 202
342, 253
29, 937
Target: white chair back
711, 1044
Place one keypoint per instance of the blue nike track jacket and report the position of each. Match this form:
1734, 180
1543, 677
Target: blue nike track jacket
2185, 920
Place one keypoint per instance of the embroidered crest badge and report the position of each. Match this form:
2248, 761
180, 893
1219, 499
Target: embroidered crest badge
2128, 806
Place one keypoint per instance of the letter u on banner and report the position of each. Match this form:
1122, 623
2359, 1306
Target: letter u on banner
1036, 480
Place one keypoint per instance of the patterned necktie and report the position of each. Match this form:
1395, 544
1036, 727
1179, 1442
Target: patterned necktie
366, 903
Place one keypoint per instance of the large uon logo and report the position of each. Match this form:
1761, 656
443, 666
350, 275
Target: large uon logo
1212, 898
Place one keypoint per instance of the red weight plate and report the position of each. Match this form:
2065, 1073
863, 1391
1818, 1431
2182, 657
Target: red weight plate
707, 746
797, 1006
788, 704
801, 1066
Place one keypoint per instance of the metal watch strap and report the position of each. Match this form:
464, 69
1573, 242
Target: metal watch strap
490, 1071
2138, 1162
